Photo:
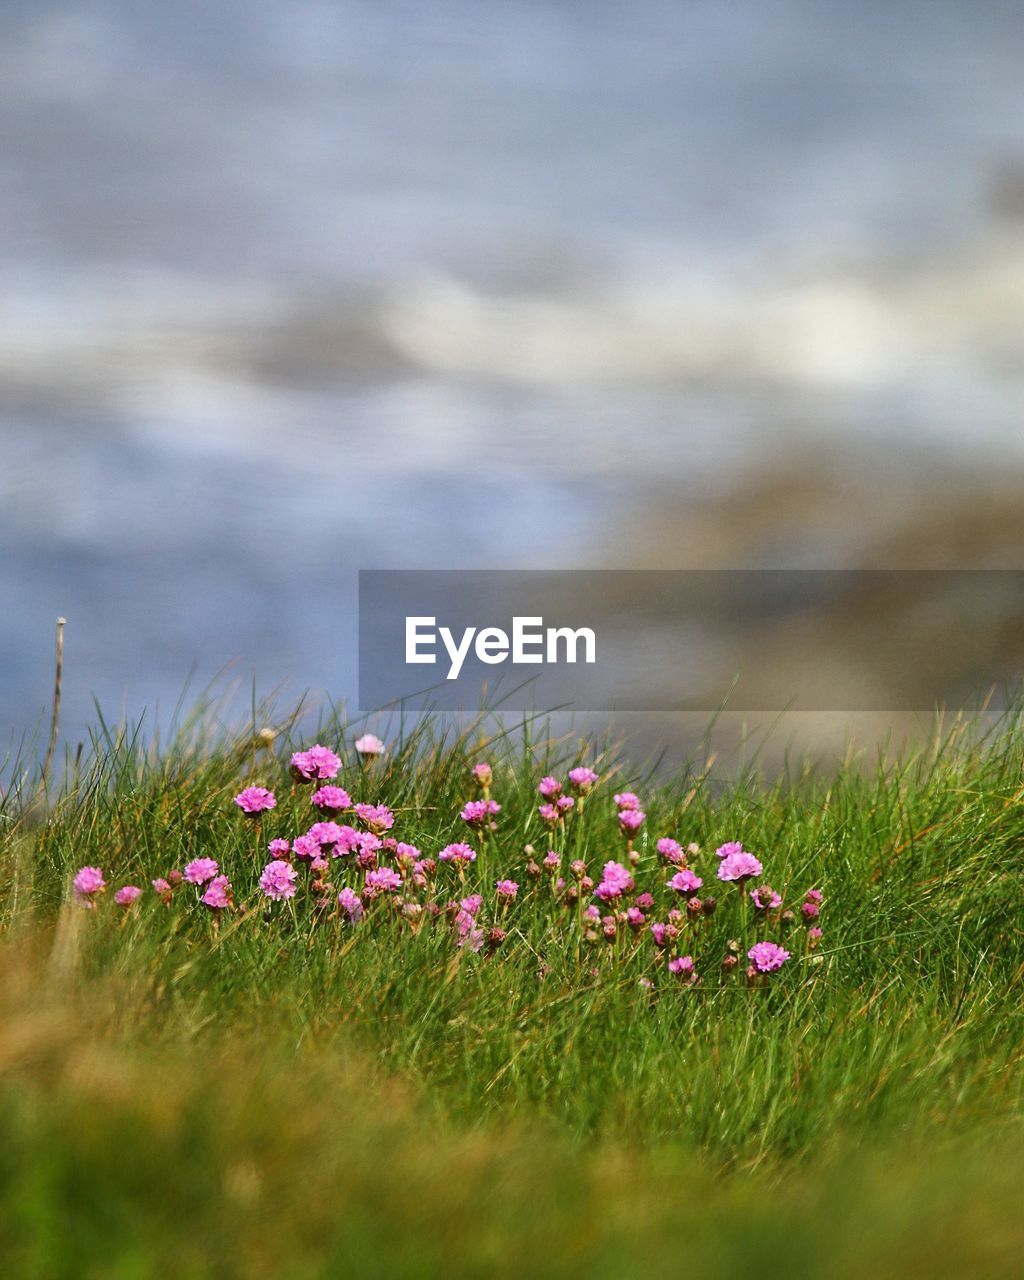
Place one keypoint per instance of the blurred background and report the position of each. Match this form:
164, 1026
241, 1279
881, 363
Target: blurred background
291, 288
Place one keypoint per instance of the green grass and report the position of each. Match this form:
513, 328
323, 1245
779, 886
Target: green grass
292, 1099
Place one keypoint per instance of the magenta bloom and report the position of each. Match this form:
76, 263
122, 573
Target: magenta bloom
351, 903
88, 882
407, 853
631, 820
383, 880
200, 870
218, 894
733, 846
564, 803
482, 773
671, 850
627, 800
478, 813
279, 849
765, 898
635, 917
549, 814
615, 881
278, 880
739, 866
369, 745
326, 834
552, 860
378, 817
550, 787
813, 936
317, 764
767, 956
127, 894
332, 799
685, 881
816, 896
682, 965
307, 847
663, 934
507, 888
457, 853
162, 888
810, 911
255, 800
582, 779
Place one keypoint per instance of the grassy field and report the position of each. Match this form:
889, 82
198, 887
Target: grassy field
272, 1090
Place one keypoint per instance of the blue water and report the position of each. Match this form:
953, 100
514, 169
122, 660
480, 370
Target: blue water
289, 289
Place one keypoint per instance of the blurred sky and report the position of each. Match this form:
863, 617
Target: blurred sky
289, 289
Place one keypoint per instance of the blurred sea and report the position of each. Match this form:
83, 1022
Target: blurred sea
288, 289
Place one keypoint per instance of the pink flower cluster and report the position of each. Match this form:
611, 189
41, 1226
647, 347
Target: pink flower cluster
653, 908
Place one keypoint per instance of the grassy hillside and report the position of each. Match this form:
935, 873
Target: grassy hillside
425, 1085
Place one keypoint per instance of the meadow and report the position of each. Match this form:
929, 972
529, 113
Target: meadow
264, 1015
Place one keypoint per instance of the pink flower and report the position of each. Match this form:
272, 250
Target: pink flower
351, 903
369, 745
317, 764
278, 880
813, 937
767, 956
663, 934
635, 918
200, 870
88, 881
472, 904
482, 774
733, 846
549, 814
582, 779
162, 888
552, 860
279, 849
307, 847
550, 787
218, 894
682, 965
810, 911
457, 853
564, 803
478, 813
378, 817
127, 894
671, 850
644, 901
326, 835
631, 820
332, 799
739, 866
615, 881
685, 881
254, 800
627, 800
507, 888
815, 895
383, 880
765, 898
407, 853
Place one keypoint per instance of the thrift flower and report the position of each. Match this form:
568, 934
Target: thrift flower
550, 787
200, 870
549, 814
767, 956
332, 799
457, 853
162, 888
378, 817
127, 894
564, 803
615, 881
218, 894
685, 881
383, 880
733, 846
813, 937
671, 850
279, 849
278, 880
627, 800
582, 779
739, 866
351, 903
765, 898
88, 882
683, 966
507, 888
478, 813
369, 745
317, 764
815, 895
810, 911
552, 860
631, 820
255, 800
482, 774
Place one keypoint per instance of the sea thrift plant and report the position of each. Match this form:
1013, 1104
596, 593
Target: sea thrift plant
582, 779
88, 882
317, 764
369, 745
739, 866
256, 800
201, 870
767, 957
127, 894
278, 880
332, 800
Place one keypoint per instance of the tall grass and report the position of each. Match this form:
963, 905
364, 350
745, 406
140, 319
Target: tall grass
285, 1099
